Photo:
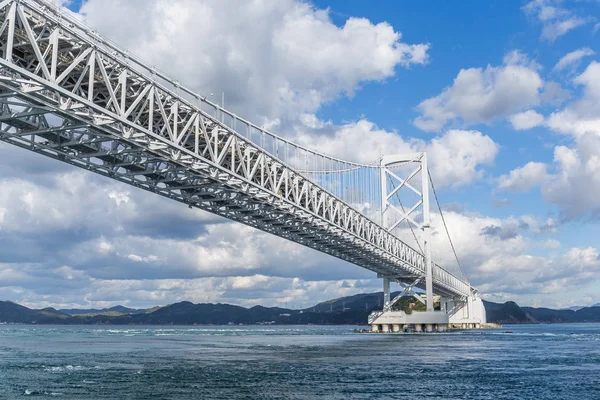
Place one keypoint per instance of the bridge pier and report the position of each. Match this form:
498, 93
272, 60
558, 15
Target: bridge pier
458, 313
386, 292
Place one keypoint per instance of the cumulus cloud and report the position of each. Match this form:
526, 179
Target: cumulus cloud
484, 94
572, 59
244, 290
526, 120
554, 94
466, 151
556, 21
136, 258
574, 184
292, 61
550, 244
581, 116
523, 178
495, 255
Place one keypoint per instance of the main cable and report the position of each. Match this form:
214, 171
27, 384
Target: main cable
446, 227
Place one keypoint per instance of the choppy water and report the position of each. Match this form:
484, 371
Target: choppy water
65, 362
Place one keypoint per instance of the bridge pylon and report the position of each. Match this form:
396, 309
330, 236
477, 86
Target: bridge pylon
413, 179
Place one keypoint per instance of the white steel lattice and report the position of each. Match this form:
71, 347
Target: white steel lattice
67, 93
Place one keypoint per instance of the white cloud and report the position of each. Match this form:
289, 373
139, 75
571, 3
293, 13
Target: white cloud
572, 59
524, 178
465, 151
66, 201
494, 253
526, 120
556, 21
554, 94
581, 116
575, 184
119, 197
550, 244
555, 29
136, 258
272, 59
483, 95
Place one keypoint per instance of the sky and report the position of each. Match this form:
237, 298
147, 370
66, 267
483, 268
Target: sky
503, 95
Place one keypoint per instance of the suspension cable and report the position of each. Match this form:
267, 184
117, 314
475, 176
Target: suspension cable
446, 227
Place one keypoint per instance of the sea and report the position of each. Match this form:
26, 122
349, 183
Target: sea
298, 362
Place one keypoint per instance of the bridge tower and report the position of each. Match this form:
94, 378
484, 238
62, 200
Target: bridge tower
415, 179
393, 215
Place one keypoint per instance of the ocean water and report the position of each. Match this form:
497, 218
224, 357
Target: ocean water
298, 362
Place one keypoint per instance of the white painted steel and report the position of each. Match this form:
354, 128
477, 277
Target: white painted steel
69, 94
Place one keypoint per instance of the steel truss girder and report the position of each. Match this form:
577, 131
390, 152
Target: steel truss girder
118, 121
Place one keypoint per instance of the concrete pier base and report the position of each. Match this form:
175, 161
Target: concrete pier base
429, 321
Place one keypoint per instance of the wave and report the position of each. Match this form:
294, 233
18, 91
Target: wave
69, 368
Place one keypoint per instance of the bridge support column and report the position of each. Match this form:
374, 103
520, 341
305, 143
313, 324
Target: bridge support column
427, 233
470, 307
386, 293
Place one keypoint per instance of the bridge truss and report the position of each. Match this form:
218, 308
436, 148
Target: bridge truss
69, 94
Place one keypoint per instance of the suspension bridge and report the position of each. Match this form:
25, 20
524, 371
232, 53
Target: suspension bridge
70, 94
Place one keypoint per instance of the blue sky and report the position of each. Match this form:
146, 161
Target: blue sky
502, 95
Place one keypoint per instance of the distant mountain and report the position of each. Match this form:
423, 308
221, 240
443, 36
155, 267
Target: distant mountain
507, 313
116, 310
12, 312
351, 310
574, 308
548, 315
363, 301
